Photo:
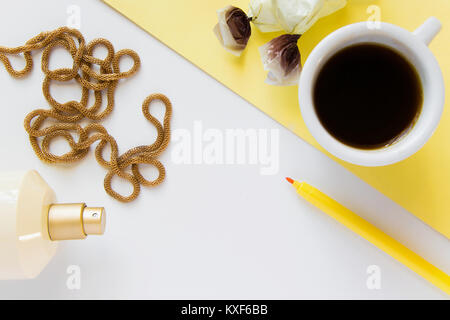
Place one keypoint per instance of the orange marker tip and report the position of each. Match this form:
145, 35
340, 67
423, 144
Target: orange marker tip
291, 181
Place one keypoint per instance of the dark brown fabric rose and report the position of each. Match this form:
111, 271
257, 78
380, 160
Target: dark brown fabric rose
239, 25
286, 46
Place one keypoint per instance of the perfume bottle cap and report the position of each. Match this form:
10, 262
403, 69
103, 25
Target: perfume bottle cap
75, 221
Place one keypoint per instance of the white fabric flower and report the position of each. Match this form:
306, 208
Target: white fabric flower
291, 16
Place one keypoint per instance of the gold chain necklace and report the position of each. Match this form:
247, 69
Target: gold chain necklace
66, 116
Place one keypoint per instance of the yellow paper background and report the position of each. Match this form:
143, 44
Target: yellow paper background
421, 184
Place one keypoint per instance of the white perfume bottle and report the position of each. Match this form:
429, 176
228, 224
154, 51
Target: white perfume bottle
31, 224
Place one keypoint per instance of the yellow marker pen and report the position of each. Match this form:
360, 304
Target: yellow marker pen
373, 235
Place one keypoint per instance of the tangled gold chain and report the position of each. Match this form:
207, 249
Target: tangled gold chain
66, 116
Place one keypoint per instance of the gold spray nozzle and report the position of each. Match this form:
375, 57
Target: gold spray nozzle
75, 221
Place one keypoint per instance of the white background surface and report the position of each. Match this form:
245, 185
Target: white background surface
209, 231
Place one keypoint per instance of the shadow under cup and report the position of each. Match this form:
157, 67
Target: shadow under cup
411, 49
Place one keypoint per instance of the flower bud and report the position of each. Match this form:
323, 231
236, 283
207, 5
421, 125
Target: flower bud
233, 29
281, 57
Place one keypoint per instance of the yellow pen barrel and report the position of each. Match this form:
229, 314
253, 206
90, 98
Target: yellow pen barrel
374, 235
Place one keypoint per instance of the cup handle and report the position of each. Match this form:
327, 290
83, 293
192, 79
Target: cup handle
428, 30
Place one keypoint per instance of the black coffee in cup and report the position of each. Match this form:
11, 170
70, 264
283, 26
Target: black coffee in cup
368, 95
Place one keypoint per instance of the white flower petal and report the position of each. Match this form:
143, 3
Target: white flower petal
263, 14
297, 14
292, 16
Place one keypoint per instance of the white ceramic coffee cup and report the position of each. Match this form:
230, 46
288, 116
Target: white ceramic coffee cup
412, 46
